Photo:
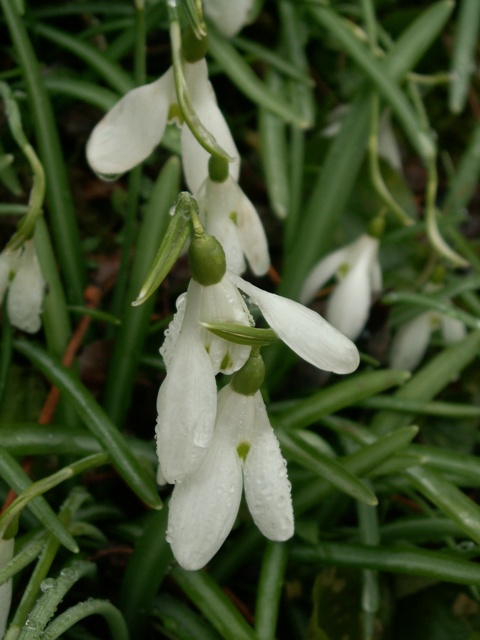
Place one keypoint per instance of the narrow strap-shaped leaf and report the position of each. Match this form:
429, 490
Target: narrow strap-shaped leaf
463, 58
235, 67
16, 477
430, 564
92, 606
430, 380
343, 394
270, 585
328, 469
207, 595
23, 558
95, 419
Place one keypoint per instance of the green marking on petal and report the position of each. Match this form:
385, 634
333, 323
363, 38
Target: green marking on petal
175, 114
242, 449
233, 217
226, 362
342, 270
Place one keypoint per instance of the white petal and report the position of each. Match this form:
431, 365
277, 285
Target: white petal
220, 303
26, 292
204, 506
187, 402
349, 305
410, 343
130, 131
453, 330
267, 488
219, 204
252, 236
303, 330
6, 554
172, 333
321, 273
228, 17
194, 157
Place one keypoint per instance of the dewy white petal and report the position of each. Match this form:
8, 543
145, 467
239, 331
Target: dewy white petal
267, 488
25, 296
252, 236
130, 131
321, 273
194, 157
303, 330
220, 303
173, 330
6, 554
187, 400
228, 17
410, 342
453, 330
204, 506
349, 304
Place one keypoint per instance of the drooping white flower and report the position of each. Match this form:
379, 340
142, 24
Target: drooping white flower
303, 330
230, 217
359, 274
193, 356
244, 452
6, 554
133, 127
412, 339
228, 17
20, 272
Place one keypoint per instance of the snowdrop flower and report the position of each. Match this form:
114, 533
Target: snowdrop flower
244, 452
412, 339
230, 217
187, 398
20, 272
131, 130
228, 17
357, 268
6, 554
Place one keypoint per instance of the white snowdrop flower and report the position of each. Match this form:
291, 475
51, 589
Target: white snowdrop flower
359, 274
193, 356
412, 339
20, 272
6, 554
230, 217
228, 17
244, 452
133, 127
303, 330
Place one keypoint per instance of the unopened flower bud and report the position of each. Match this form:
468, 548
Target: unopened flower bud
207, 259
217, 169
250, 377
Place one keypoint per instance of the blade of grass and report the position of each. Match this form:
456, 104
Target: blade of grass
463, 57
95, 419
272, 576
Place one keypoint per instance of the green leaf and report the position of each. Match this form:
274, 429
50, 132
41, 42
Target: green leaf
95, 419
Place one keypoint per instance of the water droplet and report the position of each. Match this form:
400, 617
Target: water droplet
47, 584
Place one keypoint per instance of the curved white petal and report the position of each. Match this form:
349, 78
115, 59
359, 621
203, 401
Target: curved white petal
220, 303
252, 236
322, 272
172, 333
303, 330
130, 131
453, 330
228, 17
6, 554
27, 289
267, 488
410, 343
349, 304
204, 506
187, 401
194, 157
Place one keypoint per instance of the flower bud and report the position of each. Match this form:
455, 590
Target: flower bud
207, 259
217, 169
250, 377
193, 48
